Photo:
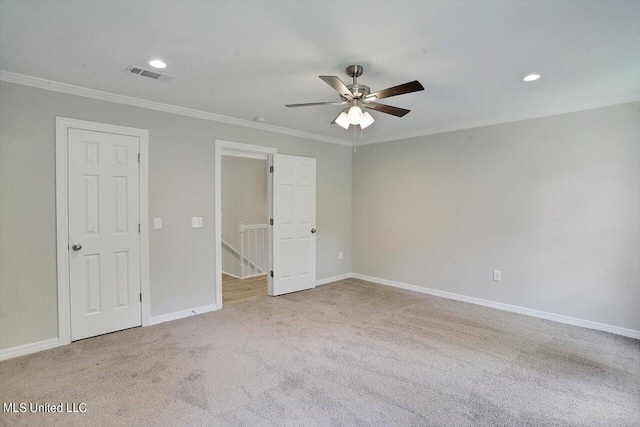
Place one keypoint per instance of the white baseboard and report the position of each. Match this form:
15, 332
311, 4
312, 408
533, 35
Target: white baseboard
182, 314
229, 274
247, 277
254, 275
631, 333
22, 350
332, 279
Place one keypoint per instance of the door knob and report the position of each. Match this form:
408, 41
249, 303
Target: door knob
76, 247
313, 230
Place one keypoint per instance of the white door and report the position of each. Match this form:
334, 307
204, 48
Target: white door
294, 221
104, 239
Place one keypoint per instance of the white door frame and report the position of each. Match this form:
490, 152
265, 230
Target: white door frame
228, 148
63, 125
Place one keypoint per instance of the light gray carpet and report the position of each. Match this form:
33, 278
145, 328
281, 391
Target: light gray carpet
350, 353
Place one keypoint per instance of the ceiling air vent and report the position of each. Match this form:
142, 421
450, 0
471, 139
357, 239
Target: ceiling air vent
150, 74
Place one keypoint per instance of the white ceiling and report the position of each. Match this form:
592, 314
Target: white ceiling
249, 59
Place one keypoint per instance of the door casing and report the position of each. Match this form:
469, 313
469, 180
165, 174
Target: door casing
63, 125
242, 150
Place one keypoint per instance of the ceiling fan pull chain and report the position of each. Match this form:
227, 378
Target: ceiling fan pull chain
354, 139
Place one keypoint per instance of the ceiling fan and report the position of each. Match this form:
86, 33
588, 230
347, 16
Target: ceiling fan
358, 97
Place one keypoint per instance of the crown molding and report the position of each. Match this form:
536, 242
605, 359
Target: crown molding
22, 79
37, 82
500, 120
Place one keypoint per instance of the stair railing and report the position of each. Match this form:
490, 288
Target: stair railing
253, 249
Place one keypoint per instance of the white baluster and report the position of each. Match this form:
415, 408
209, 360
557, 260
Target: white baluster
249, 252
255, 250
262, 258
241, 231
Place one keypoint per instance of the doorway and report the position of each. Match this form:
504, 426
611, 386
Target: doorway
291, 207
101, 198
248, 257
245, 218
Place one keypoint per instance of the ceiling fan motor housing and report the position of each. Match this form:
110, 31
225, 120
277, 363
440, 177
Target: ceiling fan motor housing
358, 90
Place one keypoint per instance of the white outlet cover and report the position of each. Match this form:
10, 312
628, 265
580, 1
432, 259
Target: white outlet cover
196, 222
497, 275
157, 223
340, 255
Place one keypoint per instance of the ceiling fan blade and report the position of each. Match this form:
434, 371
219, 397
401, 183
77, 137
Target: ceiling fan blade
383, 108
337, 84
313, 104
410, 87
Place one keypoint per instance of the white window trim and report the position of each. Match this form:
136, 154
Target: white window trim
63, 125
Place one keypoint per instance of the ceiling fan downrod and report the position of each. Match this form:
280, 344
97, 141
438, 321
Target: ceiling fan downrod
358, 90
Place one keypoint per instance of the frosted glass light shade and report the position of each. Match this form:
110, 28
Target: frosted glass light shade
343, 120
366, 120
355, 114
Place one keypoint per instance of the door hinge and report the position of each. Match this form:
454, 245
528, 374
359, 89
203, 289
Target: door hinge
140, 296
271, 169
271, 273
271, 221
138, 157
138, 228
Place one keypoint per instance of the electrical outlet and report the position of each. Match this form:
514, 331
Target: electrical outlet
157, 223
497, 275
340, 255
196, 222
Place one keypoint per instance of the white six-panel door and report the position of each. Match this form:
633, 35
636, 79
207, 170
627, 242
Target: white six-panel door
104, 239
294, 222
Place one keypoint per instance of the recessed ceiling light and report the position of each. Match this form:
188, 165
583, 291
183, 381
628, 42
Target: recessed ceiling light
156, 63
531, 77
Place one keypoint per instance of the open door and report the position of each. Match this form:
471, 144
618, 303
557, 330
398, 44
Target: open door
294, 221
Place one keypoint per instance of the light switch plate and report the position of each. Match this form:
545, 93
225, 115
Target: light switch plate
196, 222
157, 223
340, 255
497, 275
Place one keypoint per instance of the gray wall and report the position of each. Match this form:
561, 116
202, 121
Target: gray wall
181, 185
552, 202
244, 198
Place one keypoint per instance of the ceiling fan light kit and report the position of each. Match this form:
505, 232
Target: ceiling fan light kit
359, 98
366, 120
355, 114
343, 120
